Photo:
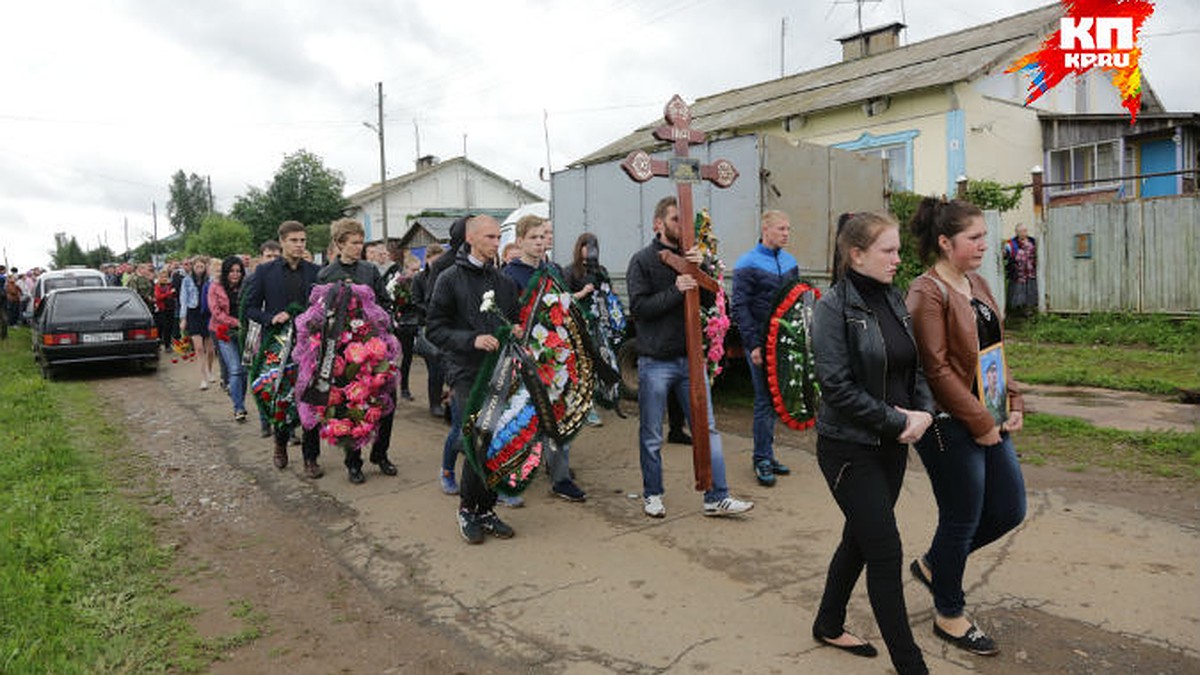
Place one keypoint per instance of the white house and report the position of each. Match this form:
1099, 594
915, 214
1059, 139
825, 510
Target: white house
457, 184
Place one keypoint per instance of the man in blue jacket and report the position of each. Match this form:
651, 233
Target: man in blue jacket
757, 278
276, 291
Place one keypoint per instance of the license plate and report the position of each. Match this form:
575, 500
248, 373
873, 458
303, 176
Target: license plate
90, 338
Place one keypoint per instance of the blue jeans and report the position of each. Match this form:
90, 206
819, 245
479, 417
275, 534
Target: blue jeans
980, 495
764, 414
658, 379
232, 358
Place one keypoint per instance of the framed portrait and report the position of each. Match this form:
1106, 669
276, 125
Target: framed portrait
993, 386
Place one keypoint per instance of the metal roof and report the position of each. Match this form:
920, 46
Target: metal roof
372, 192
930, 63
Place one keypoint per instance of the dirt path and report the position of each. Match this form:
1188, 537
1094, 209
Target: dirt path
1125, 410
251, 554
375, 578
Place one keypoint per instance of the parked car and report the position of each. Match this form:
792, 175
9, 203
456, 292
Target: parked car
72, 277
89, 324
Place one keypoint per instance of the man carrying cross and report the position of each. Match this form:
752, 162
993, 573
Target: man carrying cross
656, 298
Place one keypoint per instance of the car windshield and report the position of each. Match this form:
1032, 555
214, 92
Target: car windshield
92, 305
71, 282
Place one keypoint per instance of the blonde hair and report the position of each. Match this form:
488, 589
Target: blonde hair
344, 228
528, 222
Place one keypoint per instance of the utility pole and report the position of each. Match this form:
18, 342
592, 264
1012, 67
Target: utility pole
127, 238
382, 166
210, 194
417, 133
782, 37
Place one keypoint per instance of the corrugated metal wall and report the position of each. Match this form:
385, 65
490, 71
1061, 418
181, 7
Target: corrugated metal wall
1145, 256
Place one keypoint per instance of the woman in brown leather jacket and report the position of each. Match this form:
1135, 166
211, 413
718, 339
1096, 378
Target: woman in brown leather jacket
968, 453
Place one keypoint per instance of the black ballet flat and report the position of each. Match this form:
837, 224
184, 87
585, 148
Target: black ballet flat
974, 640
866, 649
919, 575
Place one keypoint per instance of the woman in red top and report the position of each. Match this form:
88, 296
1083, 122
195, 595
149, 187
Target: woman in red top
164, 308
223, 326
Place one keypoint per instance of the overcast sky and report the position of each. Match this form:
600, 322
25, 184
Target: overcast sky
102, 100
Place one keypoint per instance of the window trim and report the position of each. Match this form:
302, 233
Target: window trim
869, 141
1115, 181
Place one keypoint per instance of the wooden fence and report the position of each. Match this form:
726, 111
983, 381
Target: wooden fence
1137, 255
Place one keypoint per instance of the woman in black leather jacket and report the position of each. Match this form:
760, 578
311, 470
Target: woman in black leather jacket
874, 401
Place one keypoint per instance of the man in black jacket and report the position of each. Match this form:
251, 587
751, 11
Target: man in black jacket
422, 292
656, 302
465, 333
347, 235
275, 287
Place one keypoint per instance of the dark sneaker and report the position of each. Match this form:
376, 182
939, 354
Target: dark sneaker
492, 524
679, 437
281, 456
764, 471
974, 640
779, 468
469, 527
569, 491
386, 467
356, 475
312, 469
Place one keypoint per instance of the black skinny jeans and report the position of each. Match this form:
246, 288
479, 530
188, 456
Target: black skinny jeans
473, 494
865, 481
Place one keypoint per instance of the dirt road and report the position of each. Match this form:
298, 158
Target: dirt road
375, 578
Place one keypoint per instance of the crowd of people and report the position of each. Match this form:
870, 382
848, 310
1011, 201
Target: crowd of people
894, 371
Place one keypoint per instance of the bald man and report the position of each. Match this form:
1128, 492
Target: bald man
465, 334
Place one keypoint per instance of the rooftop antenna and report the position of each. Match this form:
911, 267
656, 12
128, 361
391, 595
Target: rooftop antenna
858, 9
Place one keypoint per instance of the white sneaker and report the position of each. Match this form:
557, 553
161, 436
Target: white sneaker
728, 506
653, 506
203, 384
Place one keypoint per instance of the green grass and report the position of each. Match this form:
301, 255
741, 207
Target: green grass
81, 575
1150, 353
1125, 368
1150, 331
1078, 445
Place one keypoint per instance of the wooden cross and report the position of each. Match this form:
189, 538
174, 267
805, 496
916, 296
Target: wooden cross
685, 171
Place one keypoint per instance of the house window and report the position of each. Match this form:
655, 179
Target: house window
895, 148
1086, 167
897, 159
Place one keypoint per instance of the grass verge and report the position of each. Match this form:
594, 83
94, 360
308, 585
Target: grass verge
81, 574
1073, 443
1124, 368
1150, 353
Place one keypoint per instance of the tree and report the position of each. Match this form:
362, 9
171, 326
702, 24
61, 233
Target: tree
302, 189
189, 202
219, 237
96, 257
66, 252
988, 194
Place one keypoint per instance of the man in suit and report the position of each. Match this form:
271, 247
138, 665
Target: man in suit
277, 291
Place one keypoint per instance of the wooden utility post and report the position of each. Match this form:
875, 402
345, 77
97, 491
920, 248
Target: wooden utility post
684, 171
382, 165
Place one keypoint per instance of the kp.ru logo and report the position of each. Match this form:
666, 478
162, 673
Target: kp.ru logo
1081, 50
1093, 34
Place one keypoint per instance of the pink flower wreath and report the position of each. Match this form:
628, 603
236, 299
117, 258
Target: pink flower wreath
364, 370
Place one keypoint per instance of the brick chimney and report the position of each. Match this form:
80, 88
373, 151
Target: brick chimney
871, 41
